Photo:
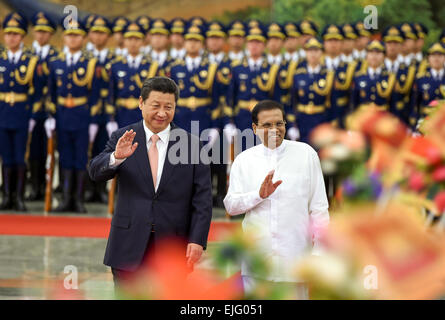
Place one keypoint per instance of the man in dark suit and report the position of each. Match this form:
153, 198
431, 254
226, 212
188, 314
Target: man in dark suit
158, 197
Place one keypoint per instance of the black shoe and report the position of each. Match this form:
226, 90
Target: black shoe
36, 193
20, 191
7, 190
79, 206
66, 205
219, 202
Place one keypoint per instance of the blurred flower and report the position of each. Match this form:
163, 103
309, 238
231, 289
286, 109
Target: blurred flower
439, 174
338, 152
328, 166
349, 188
353, 140
323, 135
439, 200
417, 181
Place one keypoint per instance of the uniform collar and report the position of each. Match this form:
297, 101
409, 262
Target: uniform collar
437, 74
14, 57
236, 55
291, 56
74, 56
255, 65
177, 53
315, 70
347, 58
134, 62
41, 51
216, 58
274, 59
192, 63
101, 55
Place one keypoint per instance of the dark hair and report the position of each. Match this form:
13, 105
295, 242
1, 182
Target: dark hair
265, 105
160, 84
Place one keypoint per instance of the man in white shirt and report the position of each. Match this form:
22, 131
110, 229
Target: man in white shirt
279, 214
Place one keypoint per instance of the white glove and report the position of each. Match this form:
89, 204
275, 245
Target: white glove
92, 131
50, 126
229, 131
213, 136
111, 127
32, 124
293, 133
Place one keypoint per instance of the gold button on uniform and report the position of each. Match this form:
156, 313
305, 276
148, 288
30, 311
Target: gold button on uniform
192, 89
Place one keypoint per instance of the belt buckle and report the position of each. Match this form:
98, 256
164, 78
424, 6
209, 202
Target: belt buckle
252, 104
9, 98
193, 103
69, 102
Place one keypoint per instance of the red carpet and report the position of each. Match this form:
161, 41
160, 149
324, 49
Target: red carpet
82, 227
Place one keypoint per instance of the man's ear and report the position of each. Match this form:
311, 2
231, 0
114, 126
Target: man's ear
141, 102
254, 127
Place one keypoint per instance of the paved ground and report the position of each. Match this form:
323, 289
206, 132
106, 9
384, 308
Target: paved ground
30, 265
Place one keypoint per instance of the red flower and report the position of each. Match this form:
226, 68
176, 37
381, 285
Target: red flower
439, 199
439, 174
416, 181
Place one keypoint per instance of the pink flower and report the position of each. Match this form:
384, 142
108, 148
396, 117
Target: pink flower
416, 181
439, 174
439, 199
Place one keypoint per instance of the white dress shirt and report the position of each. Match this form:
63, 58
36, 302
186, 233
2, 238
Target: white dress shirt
134, 62
315, 70
291, 56
101, 55
161, 144
274, 59
374, 73
302, 53
192, 63
121, 51
72, 58
177, 53
159, 57
332, 63
255, 65
359, 54
41, 51
392, 66
216, 58
347, 58
236, 55
279, 224
437, 74
14, 57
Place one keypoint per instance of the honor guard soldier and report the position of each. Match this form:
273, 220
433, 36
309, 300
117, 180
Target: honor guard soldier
286, 77
127, 75
18, 93
349, 38
215, 40
200, 22
291, 43
409, 45
364, 36
100, 131
429, 84
373, 83
74, 92
43, 29
311, 90
275, 39
195, 76
87, 24
422, 33
344, 74
236, 32
119, 25
177, 28
308, 29
159, 31
405, 75
144, 21
253, 79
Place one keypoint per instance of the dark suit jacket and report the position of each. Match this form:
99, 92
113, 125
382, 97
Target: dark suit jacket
182, 205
